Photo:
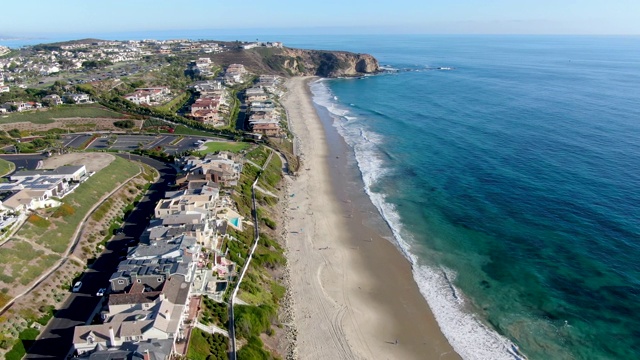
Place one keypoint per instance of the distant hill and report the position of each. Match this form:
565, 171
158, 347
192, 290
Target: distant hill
289, 62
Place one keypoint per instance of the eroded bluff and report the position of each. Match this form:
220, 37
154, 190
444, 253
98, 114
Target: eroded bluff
321, 63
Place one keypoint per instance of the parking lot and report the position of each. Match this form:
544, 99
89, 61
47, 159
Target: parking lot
171, 143
75, 141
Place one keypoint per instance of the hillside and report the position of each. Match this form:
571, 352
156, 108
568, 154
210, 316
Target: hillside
289, 62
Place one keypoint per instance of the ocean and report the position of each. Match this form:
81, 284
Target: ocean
510, 181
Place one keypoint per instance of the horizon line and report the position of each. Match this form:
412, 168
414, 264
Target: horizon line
81, 36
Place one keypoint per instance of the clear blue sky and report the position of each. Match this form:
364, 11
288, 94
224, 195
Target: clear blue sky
31, 17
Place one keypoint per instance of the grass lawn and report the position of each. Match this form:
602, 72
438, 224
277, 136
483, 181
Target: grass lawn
272, 173
6, 167
62, 111
183, 130
235, 147
82, 199
258, 155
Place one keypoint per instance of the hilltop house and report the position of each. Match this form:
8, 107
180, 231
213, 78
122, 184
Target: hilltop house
52, 100
34, 189
78, 98
148, 96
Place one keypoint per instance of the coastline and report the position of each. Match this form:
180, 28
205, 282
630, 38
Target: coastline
353, 294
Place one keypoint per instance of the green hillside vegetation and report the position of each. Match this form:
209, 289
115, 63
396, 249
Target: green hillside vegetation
6, 167
62, 111
205, 346
254, 350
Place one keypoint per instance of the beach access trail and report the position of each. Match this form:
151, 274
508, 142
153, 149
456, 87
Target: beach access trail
352, 299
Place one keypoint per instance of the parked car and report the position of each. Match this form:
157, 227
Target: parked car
77, 286
101, 292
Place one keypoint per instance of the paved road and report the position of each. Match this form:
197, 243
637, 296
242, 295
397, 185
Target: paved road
56, 340
76, 140
22, 162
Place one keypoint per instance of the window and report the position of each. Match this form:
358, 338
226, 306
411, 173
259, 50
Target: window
120, 282
159, 279
138, 280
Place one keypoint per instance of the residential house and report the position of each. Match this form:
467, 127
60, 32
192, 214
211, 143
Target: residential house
255, 94
267, 129
25, 200
145, 350
78, 98
68, 173
19, 106
138, 98
34, 189
161, 320
150, 273
184, 204
235, 73
52, 100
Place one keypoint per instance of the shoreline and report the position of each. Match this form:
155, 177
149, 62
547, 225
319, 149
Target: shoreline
352, 292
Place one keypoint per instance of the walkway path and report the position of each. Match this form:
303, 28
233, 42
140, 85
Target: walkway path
266, 192
211, 329
254, 212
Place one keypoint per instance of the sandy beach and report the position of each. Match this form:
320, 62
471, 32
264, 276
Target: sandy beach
353, 295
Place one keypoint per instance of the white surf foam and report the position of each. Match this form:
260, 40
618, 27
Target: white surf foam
470, 338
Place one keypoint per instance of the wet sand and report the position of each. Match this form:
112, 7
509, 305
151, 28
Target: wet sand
353, 293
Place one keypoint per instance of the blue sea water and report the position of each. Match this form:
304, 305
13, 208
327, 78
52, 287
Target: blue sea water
510, 182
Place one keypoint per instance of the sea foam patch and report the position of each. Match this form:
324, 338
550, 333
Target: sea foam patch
470, 338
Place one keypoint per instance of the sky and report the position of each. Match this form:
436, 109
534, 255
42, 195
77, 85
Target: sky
288, 17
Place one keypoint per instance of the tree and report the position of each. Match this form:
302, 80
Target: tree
124, 124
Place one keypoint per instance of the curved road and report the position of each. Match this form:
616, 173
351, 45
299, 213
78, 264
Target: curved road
55, 340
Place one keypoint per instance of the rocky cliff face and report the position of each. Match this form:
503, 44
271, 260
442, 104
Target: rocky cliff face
320, 63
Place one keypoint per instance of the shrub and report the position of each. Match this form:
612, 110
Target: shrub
64, 210
14, 133
124, 124
270, 223
253, 320
253, 350
18, 350
38, 221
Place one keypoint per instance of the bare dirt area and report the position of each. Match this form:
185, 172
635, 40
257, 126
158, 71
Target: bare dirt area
93, 161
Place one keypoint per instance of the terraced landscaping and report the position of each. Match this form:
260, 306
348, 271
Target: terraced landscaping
45, 236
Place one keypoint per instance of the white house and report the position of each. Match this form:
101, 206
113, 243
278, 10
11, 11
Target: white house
78, 98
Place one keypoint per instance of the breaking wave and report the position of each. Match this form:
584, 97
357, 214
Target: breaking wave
470, 338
